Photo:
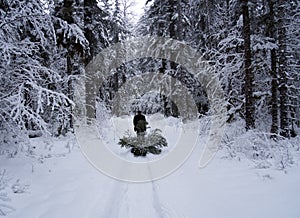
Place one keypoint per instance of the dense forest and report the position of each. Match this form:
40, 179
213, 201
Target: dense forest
253, 46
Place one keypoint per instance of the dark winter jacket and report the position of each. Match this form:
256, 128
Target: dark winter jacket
140, 123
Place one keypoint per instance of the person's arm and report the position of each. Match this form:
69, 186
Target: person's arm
143, 118
135, 120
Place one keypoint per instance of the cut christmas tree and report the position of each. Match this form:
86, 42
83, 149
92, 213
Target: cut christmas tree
140, 146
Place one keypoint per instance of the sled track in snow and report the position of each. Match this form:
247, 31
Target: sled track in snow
118, 194
135, 200
162, 210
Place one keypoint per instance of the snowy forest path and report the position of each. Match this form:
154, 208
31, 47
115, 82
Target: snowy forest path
79, 190
69, 186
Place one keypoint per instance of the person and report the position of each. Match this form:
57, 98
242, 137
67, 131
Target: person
140, 125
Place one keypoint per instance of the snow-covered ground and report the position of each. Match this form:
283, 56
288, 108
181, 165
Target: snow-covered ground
56, 180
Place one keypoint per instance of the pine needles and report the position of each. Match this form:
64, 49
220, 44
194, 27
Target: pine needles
152, 143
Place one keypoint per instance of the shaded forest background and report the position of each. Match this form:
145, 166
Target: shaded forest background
253, 46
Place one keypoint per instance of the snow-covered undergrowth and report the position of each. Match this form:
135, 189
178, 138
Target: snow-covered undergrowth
12, 140
259, 147
19, 160
5, 208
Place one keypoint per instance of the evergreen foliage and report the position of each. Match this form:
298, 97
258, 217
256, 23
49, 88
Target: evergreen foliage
152, 143
45, 45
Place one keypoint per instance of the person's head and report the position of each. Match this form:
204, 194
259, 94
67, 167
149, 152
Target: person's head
139, 112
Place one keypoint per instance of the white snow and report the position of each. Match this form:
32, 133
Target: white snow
56, 180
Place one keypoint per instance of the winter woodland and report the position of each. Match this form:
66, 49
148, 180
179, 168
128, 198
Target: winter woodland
251, 45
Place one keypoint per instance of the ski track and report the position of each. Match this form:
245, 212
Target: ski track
161, 210
115, 200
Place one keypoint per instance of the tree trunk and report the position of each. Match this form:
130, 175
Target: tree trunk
179, 23
70, 88
282, 71
274, 89
249, 77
